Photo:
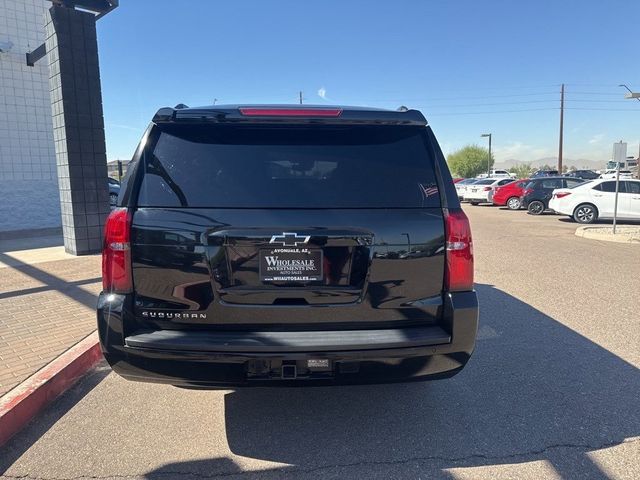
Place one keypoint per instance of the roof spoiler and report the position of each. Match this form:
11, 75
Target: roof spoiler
238, 114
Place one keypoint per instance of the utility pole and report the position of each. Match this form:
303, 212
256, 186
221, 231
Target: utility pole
300, 97
484, 135
489, 163
635, 95
561, 130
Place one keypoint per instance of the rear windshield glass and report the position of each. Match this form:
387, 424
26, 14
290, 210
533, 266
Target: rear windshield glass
485, 182
289, 167
551, 183
580, 184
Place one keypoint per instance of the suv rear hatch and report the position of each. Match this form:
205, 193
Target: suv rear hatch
294, 225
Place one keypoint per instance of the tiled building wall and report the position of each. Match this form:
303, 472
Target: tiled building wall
78, 127
29, 195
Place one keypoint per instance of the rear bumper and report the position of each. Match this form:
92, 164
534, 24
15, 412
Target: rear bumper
560, 208
477, 198
233, 359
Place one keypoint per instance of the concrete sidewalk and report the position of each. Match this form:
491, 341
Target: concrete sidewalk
47, 304
624, 233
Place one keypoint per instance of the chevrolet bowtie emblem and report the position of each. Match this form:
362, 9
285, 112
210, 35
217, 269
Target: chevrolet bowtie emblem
289, 239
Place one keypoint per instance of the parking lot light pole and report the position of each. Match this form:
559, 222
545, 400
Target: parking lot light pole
635, 95
488, 161
615, 206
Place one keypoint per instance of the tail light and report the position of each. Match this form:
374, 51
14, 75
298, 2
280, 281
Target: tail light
487, 189
561, 194
526, 192
116, 253
459, 268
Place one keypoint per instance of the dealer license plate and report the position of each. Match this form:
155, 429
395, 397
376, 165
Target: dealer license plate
290, 265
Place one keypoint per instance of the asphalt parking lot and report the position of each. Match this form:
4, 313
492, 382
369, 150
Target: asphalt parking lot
552, 391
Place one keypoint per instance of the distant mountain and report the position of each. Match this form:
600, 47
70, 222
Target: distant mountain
553, 161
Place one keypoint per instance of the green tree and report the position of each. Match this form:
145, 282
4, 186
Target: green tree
469, 161
522, 170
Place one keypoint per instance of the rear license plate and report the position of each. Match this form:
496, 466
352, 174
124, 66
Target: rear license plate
322, 363
290, 265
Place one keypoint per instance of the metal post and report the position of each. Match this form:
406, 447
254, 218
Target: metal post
119, 170
615, 206
635, 95
489, 162
484, 135
561, 130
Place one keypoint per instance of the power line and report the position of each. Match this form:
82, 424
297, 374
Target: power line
604, 109
479, 89
447, 114
434, 100
453, 105
430, 114
579, 84
591, 100
430, 99
595, 93
429, 104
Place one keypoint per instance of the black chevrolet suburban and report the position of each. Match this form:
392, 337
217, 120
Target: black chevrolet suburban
287, 245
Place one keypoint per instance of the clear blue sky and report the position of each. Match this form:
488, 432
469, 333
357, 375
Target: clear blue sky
471, 66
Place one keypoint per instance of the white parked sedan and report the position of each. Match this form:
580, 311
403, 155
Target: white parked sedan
462, 186
590, 201
498, 174
624, 174
481, 191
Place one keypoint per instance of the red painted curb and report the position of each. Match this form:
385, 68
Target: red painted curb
23, 402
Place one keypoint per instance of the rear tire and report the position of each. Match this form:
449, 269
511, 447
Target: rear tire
513, 203
536, 208
474, 203
585, 213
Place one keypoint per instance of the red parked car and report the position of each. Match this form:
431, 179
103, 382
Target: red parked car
510, 194
456, 180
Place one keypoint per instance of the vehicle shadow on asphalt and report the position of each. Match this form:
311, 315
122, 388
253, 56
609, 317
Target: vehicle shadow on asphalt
535, 390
